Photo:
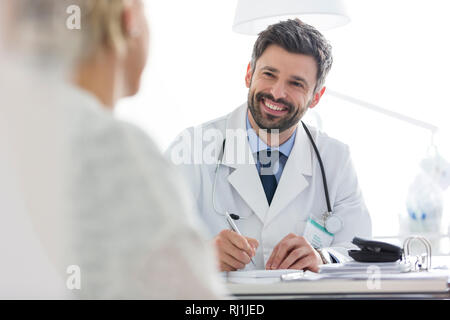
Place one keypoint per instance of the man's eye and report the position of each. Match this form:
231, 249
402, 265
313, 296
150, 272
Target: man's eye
268, 74
297, 84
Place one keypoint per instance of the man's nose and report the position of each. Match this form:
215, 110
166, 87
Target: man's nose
278, 90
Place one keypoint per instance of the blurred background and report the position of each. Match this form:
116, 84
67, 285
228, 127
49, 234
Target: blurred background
393, 54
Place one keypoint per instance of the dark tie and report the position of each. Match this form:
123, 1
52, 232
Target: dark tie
269, 181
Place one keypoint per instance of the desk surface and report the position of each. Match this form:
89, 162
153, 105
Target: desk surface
433, 285
347, 296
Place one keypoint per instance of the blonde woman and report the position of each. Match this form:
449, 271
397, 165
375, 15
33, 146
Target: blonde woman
109, 215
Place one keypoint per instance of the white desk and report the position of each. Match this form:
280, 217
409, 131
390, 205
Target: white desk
428, 285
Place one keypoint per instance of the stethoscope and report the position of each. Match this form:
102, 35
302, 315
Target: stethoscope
331, 222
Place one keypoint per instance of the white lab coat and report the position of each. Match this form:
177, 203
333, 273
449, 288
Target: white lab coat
299, 193
96, 193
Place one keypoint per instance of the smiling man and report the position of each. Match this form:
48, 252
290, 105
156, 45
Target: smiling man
291, 190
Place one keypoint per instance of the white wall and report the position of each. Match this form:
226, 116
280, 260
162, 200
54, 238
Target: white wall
393, 54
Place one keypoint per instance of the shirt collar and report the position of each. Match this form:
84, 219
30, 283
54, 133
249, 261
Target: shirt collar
256, 144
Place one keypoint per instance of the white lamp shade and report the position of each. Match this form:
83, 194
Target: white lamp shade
254, 16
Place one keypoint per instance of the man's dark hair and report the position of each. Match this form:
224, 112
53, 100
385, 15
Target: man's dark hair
296, 37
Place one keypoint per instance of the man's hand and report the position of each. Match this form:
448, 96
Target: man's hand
234, 251
294, 252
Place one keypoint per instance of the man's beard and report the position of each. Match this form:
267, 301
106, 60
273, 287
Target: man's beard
281, 124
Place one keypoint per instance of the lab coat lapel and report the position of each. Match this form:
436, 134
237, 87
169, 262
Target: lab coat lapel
238, 155
293, 180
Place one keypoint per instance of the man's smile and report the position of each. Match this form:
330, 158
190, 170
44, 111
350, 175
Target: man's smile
273, 108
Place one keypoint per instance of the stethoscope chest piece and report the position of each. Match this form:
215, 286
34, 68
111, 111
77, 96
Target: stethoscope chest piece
333, 224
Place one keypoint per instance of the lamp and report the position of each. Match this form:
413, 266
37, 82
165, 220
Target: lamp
253, 16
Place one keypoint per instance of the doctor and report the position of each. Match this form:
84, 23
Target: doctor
259, 164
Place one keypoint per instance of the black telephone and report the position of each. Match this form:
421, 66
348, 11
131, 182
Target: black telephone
375, 251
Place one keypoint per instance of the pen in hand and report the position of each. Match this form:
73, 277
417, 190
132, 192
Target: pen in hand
234, 228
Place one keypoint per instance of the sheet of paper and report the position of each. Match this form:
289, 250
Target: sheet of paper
364, 267
258, 276
260, 273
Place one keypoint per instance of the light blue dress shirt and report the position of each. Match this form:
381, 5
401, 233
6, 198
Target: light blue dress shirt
256, 145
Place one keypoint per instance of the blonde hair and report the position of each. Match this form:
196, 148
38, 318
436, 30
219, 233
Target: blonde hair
38, 27
102, 24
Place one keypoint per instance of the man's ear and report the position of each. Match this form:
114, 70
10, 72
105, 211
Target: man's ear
248, 75
317, 97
